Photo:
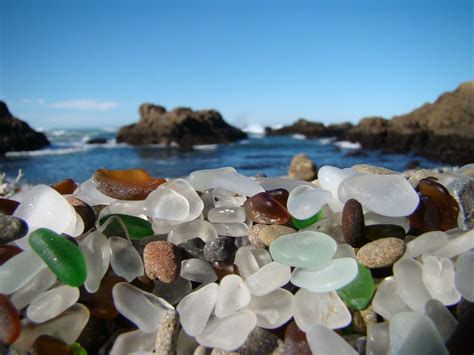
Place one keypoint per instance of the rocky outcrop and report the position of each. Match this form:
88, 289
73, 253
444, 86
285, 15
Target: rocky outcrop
311, 129
17, 135
443, 130
181, 125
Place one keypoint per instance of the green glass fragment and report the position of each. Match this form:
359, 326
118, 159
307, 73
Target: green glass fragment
358, 293
303, 223
137, 227
77, 349
62, 256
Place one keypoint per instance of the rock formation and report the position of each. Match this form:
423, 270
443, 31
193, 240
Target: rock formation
311, 129
17, 135
181, 125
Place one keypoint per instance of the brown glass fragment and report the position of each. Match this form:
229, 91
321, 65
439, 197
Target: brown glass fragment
65, 187
85, 211
132, 184
9, 321
263, 208
281, 195
295, 341
7, 252
8, 206
48, 345
224, 268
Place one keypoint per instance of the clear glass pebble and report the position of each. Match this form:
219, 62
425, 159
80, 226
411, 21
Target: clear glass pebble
172, 292
378, 340
201, 180
197, 270
438, 277
442, 318
235, 182
184, 188
464, 275
233, 295
331, 177
51, 303
272, 310
192, 229
96, 251
246, 261
325, 341
273, 183
232, 229
371, 218
387, 302
268, 278
125, 260
134, 341
305, 201
225, 198
88, 193
41, 282
166, 203
457, 245
427, 243
226, 215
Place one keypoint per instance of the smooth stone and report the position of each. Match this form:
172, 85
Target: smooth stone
193, 248
387, 301
186, 344
254, 237
225, 198
96, 250
337, 274
196, 308
362, 319
373, 169
142, 308
302, 168
441, 317
330, 225
268, 278
167, 334
235, 182
51, 303
388, 195
358, 293
232, 229
426, 243
220, 249
378, 340
246, 261
226, 215
324, 341
233, 295
197, 270
201, 180
457, 246
46, 344
88, 193
166, 203
268, 234
184, 188
174, 291
19, 270
162, 261
134, 341
331, 177
224, 268
381, 252
272, 310
414, 333
9, 321
324, 308
264, 208
372, 218
61, 255
12, 228
353, 224
203, 230
228, 333
438, 277
304, 249
260, 341
464, 276
344, 251
125, 259
41, 282
85, 212
410, 285
136, 227
463, 192
305, 201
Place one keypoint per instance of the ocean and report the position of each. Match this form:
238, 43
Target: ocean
70, 157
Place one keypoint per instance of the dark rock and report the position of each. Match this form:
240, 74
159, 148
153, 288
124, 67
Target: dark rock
11, 228
17, 135
353, 227
220, 249
461, 341
302, 168
413, 164
311, 129
182, 126
260, 341
97, 141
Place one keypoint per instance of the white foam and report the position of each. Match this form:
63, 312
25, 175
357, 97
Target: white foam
205, 146
348, 145
325, 141
36, 153
255, 129
298, 136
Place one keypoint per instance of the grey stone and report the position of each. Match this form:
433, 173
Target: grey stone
463, 192
11, 228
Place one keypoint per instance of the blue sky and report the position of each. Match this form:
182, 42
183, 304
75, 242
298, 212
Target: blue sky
92, 63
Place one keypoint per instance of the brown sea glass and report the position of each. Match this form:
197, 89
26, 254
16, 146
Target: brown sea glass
9, 321
84, 210
133, 184
65, 187
7, 252
295, 341
48, 345
263, 208
8, 206
223, 268
281, 195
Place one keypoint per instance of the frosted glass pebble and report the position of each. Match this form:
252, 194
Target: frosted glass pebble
305, 201
51, 303
442, 318
172, 292
464, 275
42, 281
125, 260
246, 261
193, 229
184, 188
235, 182
228, 333
427, 243
457, 246
387, 302
134, 341
268, 278
96, 251
344, 251
438, 277
197, 270
196, 308
303, 249
410, 286
273, 183
325, 308
325, 341
20, 269
331, 177
233, 294
166, 203
232, 229
378, 341
142, 308
337, 274
272, 310
388, 195
414, 333
130, 207
371, 218
262, 256
88, 193
201, 180
224, 198
66, 327
226, 215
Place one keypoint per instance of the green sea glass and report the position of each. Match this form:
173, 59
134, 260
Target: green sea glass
303, 223
77, 349
62, 256
358, 293
137, 227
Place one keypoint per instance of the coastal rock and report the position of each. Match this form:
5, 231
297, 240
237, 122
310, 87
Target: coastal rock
181, 125
17, 135
311, 129
302, 168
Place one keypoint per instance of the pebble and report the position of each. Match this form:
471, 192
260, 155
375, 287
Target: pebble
260, 341
387, 301
442, 318
41, 282
381, 252
306, 201
201, 180
373, 169
463, 192
132, 342
233, 181
268, 278
174, 291
281, 195
254, 238
358, 293
192, 229
371, 218
167, 335
12, 228
363, 319
420, 174
47, 344
263, 208
323, 340
220, 249
125, 259
273, 309
331, 177
162, 261
232, 295
461, 341
166, 203
302, 168
65, 187
137, 228
224, 198
457, 245
9, 321
438, 277
378, 340
464, 279
232, 229
304, 223
226, 215
197, 270
8, 206
353, 224
249, 260
51, 303
223, 268
269, 234
184, 188
85, 211
295, 341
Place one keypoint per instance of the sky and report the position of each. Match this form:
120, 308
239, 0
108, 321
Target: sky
92, 63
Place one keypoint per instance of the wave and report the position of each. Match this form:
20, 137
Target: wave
298, 136
325, 141
205, 146
255, 129
348, 145
37, 153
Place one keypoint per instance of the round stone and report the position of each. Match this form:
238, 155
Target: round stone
85, 211
270, 233
254, 238
302, 168
220, 249
162, 261
353, 224
381, 252
12, 228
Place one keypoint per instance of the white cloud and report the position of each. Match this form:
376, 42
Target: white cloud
85, 104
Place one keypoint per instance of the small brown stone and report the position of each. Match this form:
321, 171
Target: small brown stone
253, 235
8, 206
381, 252
167, 335
353, 227
302, 168
65, 187
265, 209
373, 169
85, 211
162, 261
269, 233
362, 319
